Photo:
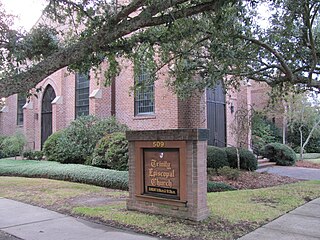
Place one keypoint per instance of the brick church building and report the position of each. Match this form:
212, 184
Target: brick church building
66, 96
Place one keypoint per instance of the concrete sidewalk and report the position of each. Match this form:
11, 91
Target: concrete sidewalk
302, 223
28, 222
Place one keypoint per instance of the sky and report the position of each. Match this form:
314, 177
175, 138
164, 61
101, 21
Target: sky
27, 11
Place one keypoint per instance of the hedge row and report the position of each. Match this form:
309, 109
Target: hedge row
68, 172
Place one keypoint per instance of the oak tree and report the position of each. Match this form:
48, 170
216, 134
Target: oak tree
202, 42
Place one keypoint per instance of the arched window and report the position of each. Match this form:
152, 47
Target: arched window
46, 113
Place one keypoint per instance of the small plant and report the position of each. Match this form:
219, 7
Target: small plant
229, 173
28, 154
211, 172
37, 155
33, 155
216, 157
280, 153
219, 187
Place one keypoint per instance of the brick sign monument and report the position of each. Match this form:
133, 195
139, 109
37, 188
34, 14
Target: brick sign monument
168, 172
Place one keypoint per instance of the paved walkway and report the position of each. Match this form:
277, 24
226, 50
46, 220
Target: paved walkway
302, 223
28, 222
294, 172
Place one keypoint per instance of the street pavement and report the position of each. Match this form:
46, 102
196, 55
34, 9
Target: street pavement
294, 172
29, 222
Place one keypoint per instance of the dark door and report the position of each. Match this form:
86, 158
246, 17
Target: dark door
216, 116
46, 113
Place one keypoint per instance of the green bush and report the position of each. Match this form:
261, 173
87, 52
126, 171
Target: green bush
219, 187
33, 155
229, 173
50, 147
248, 160
112, 152
216, 157
13, 145
263, 132
68, 172
2, 138
280, 153
76, 143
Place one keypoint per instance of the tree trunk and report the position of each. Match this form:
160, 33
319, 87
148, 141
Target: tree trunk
238, 158
301, 143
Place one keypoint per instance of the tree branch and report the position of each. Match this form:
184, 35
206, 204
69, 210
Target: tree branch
101, 41
285, 68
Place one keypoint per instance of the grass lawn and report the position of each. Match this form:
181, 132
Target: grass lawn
233, 214
310, 156
316, 160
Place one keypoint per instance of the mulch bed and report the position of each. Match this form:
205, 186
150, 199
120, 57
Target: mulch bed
253, 180
307, 164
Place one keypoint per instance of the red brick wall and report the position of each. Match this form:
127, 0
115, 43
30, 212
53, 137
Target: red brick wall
8, 117
170, 112
166, 114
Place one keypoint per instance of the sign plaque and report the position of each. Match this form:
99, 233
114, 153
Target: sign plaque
162, 172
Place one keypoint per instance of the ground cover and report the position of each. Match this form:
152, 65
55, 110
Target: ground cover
69, 172
232, 213
253, 180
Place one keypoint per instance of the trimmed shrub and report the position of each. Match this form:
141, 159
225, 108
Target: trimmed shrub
76, 143
50, 148
219, 187
112, 152
280, 153
247, 159
216, 157
13, 145
229, 173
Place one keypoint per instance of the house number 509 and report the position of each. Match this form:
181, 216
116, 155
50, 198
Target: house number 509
158, 144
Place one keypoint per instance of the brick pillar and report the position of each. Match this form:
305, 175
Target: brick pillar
29, 125
100, 102
58, 113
